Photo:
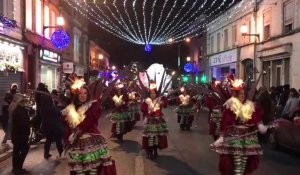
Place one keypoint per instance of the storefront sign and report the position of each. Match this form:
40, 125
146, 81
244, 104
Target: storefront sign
11, 57
68, 68
223, 58
79, 71
49, 56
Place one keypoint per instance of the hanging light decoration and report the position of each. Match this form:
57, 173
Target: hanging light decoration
151, 22
60, 39
148, 47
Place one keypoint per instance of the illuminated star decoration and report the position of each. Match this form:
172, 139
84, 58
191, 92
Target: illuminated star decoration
148, 47
188, 67
60, 39
152, 21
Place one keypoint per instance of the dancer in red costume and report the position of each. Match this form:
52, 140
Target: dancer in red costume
155, 132
238, 144
88, 152
120, 116
134, 98
185, 110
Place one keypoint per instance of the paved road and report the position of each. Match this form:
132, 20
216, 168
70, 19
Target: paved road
188, 154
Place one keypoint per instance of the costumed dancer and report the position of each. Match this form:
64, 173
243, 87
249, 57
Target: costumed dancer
134, 98
238, 144
120, 115
155, 131
86, 147
185, 110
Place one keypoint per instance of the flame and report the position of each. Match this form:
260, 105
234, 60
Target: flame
152, 86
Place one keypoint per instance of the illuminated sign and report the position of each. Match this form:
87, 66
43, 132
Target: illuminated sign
49, 56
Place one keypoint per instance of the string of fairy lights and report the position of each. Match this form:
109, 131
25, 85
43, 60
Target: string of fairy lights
151, 22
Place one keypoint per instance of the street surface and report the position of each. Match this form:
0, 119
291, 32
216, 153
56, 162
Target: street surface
188, 154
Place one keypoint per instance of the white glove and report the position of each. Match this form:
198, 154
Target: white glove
218, 142
262, 128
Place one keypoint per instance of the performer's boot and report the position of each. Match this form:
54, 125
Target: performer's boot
155, 154
120, 137
182, 127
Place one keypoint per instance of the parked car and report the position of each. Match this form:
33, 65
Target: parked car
286, 135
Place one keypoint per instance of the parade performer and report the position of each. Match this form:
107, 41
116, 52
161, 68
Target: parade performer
120, 115
185, 110
155, 131
238, 144
87, 148
134, 98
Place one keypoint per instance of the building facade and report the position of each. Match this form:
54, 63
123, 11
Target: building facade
269, 45
228, 51
44, 58
279, 50
98, 61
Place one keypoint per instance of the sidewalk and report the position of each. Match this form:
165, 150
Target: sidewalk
5, 151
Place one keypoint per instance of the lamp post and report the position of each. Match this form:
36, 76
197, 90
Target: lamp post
244, 32
59, 21
171, 40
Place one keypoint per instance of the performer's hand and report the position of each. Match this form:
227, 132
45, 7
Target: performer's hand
72, 138
218, 142
262, 128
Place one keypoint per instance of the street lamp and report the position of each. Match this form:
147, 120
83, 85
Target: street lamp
100, 56
113, 67
59, 21
173, 73
187, 40
244, 32
188, 59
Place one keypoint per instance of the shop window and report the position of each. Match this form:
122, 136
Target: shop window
76, 48
29, 14
38, 17
278, 75
266, 32
226, 39
288, 13
218, 42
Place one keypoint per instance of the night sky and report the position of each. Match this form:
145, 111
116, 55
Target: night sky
122, 52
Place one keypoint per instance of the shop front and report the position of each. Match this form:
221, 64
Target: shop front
50, 68
223, 64
276, 63
11, 65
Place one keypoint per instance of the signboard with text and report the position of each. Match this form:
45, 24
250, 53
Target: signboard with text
223, 58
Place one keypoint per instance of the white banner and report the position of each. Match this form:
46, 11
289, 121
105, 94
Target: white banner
223, 58
79, 71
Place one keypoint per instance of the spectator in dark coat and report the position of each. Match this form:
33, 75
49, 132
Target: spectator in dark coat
284, 95
8, 98
52, 125
20, 131
264, 100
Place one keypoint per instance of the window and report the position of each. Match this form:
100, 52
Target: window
267, 24
212, 44
38, 17
1, 7
249, 31
53, 20
46, 21
234, 35
218, 42
226, 39
29, 14
288, 13
76, 48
